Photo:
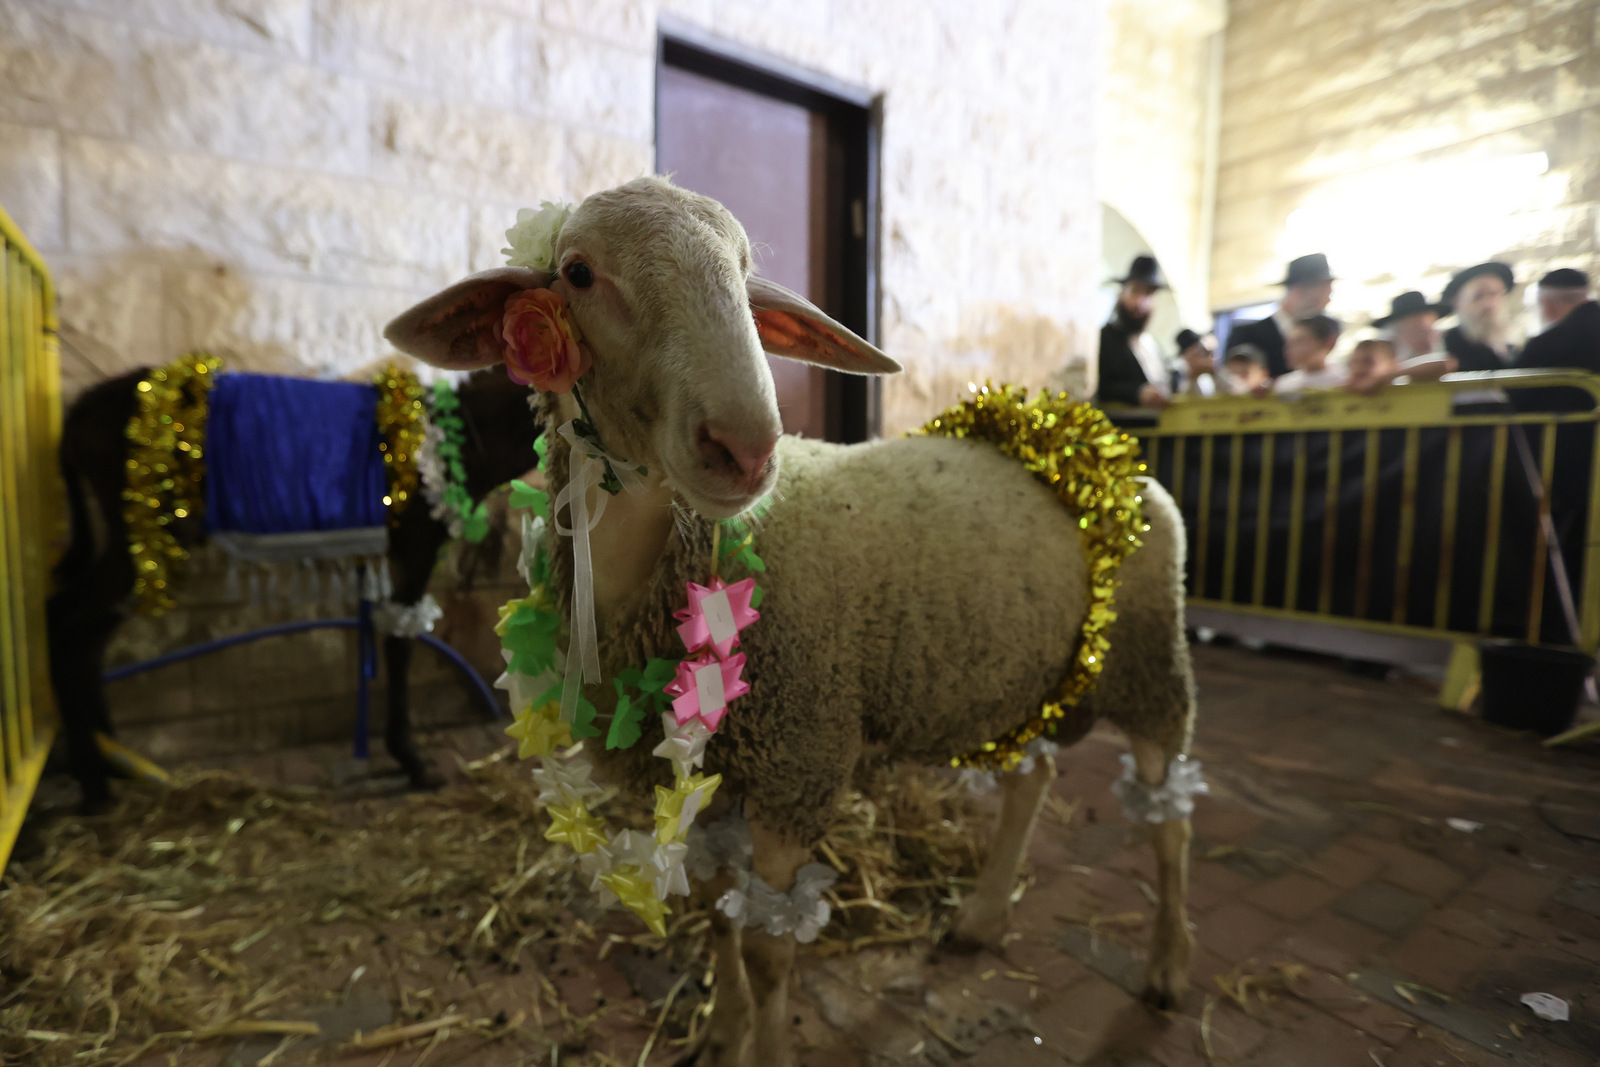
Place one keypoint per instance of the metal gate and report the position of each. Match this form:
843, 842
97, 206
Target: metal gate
30, 518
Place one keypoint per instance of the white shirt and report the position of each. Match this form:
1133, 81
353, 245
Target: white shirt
1152, 362
1304, 381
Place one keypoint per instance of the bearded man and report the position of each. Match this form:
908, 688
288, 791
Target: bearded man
1132, 371
1479, 340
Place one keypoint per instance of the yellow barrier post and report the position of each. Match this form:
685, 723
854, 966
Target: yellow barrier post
30, 510
1334, 537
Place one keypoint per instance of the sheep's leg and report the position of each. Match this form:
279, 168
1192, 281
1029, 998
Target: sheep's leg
768, 960
983, 915
728, 1032
1167, 977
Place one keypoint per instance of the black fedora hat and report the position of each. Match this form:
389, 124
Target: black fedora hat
1564, 278
1412, 303
1499, 270
1307, 270
1144, 269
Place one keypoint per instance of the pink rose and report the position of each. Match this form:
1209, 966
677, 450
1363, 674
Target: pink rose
541, 344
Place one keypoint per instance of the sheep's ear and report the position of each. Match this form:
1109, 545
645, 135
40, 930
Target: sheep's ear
456, 328
793, 327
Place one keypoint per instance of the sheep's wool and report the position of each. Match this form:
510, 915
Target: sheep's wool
1093, 467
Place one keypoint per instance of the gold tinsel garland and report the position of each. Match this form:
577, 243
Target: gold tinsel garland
1093, 468
165, 468
402, 422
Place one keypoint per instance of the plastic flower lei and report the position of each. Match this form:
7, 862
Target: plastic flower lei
542, 346
691, 695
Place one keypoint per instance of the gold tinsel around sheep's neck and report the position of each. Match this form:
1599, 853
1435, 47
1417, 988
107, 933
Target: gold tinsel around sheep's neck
165, 468
1093, 467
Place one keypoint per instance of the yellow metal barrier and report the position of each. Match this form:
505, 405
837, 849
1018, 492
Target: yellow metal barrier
1409, 513
30, 510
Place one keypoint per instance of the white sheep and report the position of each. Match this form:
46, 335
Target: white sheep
924, 594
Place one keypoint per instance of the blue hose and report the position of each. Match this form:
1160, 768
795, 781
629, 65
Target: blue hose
485, 694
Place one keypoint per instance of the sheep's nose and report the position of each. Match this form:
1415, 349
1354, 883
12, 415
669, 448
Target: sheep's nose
742, 460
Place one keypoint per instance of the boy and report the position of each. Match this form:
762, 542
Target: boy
1307, 349
1245, 371
1371, 366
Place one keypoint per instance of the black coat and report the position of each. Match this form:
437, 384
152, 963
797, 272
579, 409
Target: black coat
1264, 335
1573, 342
1470, 354
1121, 373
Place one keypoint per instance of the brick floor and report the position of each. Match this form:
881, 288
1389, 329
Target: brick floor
1322, 854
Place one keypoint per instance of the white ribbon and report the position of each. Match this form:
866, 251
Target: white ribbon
583, 648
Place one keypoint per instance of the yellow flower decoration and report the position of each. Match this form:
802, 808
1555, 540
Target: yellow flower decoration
677, 807
573, 825
540, 731
639, 894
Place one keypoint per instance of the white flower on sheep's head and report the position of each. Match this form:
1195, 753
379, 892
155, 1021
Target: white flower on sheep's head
533, 238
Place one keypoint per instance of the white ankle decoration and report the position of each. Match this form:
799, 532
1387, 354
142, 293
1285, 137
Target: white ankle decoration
724, 843
801, 911
407, 620
1172, 799
979, 781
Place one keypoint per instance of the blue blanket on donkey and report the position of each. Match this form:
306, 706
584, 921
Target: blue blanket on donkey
287, 455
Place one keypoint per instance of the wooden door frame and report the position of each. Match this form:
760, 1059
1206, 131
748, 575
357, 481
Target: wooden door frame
855, 118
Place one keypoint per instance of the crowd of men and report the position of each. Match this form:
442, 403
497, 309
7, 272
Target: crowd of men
1291, 351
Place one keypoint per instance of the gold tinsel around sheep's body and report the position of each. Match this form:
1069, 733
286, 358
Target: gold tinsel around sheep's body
1093, 468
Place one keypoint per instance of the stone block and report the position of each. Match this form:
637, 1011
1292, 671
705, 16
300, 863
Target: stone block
193, 96
61, 71
466, 149
273, 325
451, 50
118, 303
596, 162
1555, 41
30, 184
627, 24
122, 199
281, 27
587, 84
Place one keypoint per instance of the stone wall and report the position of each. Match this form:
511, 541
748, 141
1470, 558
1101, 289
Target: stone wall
1406, 138
275, 179
1156, 145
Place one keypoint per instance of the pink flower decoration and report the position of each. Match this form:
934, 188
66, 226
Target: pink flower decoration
705, 686
540, 342
700, 630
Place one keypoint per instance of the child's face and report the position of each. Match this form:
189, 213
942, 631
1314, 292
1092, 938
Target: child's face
1303, 351
1248, 372
1368, 363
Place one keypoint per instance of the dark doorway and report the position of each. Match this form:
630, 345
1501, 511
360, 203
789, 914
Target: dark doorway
792, 157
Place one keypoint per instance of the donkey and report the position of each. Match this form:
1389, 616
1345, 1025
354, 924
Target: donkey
94, 579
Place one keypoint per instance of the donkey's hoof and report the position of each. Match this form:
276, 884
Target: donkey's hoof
427, 780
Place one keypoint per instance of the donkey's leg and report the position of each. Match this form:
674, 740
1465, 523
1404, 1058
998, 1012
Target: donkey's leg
414, 545
983, 915
768, 960
1167, 977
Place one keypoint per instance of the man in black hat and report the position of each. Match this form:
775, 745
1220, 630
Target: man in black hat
1132, 371
1307, 288
1409, 325
1478, 341
1198, 376
1571, 337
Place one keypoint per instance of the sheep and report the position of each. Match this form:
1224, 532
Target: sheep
923, 594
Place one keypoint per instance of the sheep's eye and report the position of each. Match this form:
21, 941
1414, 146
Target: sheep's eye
579, 276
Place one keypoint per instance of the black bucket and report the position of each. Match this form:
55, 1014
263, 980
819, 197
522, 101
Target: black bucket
1531, 687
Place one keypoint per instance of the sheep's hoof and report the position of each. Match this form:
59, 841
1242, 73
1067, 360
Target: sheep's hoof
427, 780
974, 932
1164, 988
1160, 999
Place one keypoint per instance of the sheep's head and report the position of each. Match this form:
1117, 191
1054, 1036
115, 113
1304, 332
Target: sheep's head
658, 281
